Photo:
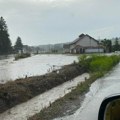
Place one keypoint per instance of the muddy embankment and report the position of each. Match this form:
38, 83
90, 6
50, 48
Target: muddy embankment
21, 90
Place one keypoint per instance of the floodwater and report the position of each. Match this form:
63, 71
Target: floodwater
27, 109
108, 85
32, 66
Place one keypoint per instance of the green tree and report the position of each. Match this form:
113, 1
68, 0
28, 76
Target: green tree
5, 43
107, 44
116, 46
18, 45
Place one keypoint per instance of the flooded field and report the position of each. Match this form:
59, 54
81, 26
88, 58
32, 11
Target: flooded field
32, 66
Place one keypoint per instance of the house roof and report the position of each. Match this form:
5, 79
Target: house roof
81, 37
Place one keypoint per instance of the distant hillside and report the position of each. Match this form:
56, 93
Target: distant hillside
49, 48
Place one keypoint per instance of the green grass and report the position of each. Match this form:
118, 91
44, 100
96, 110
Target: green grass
98, 63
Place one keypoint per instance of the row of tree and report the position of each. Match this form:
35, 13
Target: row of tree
109, 47
5, 42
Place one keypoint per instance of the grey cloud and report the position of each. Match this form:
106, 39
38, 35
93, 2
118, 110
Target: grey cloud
42, 22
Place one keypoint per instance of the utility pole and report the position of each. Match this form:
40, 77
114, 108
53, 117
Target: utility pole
99, 45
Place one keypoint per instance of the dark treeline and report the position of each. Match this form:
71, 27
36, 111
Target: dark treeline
109, 46
5, 42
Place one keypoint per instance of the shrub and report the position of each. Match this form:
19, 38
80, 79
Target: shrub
23, 55
84, 61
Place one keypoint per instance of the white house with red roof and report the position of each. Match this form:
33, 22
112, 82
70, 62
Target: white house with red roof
83, 44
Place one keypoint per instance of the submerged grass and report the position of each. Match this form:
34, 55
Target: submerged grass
21, 56
97, 66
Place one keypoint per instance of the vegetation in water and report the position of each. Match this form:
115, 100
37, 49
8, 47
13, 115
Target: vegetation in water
21, 90
22, 55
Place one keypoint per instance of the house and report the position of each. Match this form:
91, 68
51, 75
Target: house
83, 44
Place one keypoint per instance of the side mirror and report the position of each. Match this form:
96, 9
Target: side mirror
110, 108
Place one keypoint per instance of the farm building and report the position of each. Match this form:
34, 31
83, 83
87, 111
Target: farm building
83, 44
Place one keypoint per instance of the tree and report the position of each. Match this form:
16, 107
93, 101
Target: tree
116, 46
18, 45
107, 44
5, 43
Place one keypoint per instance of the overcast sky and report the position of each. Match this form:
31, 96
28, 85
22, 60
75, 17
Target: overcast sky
56, 21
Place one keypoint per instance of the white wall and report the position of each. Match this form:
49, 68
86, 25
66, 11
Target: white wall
86, 41
94, 50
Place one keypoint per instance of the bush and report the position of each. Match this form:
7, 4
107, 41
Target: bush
23, 55
84, 61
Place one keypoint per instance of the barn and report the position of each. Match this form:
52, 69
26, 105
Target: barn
83, 44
